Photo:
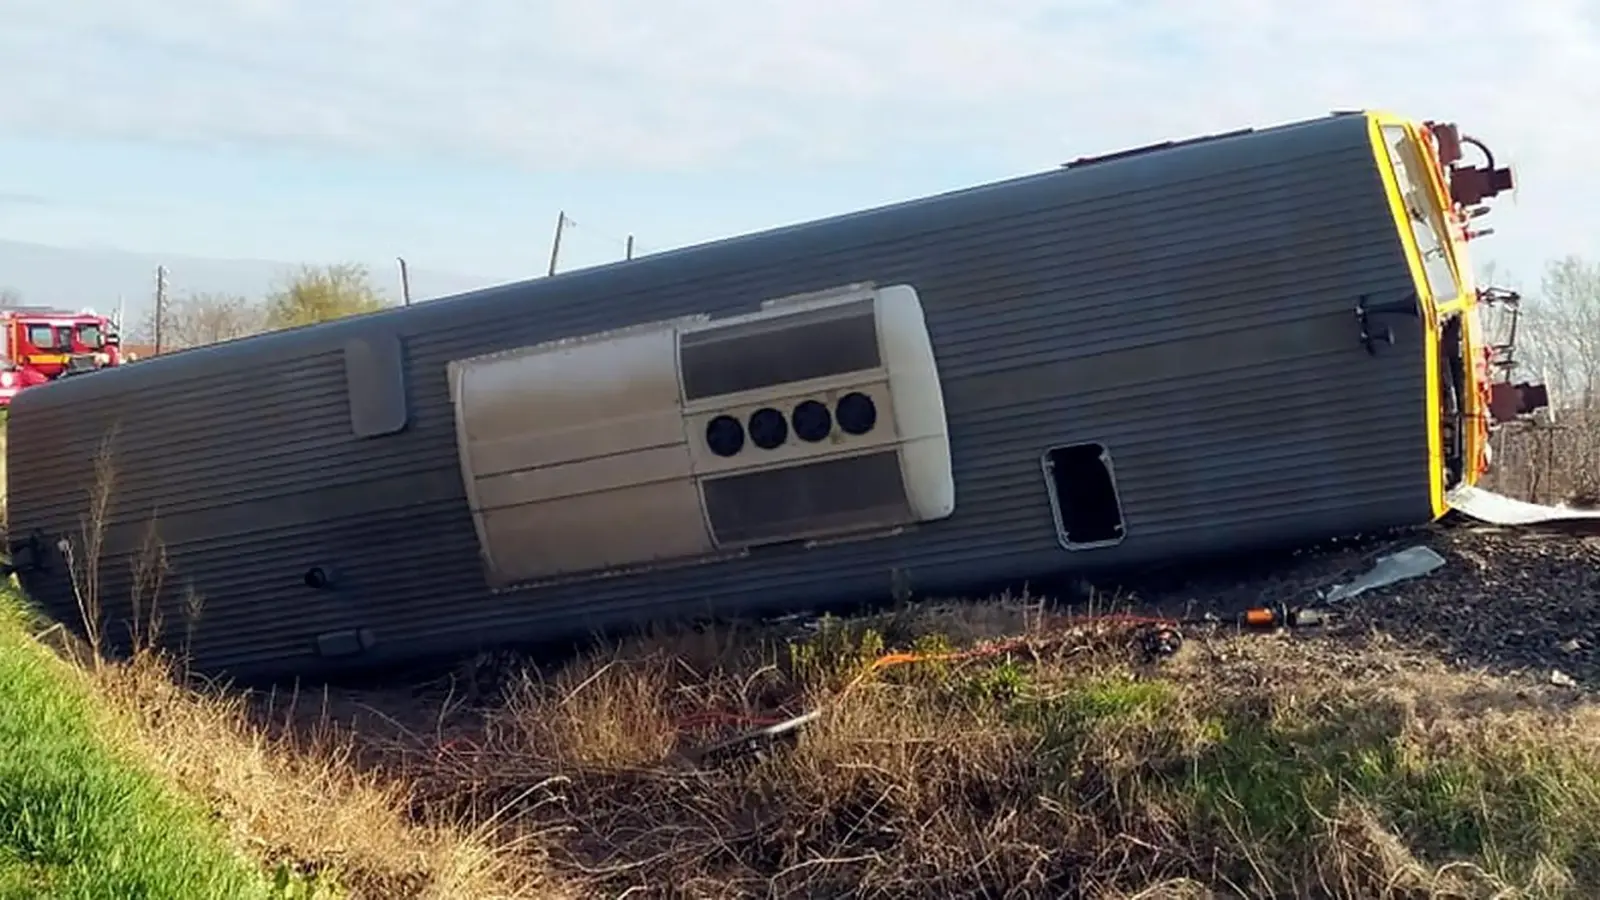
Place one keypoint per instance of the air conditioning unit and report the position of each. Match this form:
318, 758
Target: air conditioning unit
818, 416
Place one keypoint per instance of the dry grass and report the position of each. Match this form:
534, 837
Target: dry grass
1068, 765
80, 817
305, 802
1022, 755
299, 803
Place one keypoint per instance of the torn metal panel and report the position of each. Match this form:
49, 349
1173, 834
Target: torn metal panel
1498, 509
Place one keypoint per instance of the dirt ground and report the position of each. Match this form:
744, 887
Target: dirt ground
1518, 602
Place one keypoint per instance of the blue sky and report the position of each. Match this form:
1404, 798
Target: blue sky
490, 218
453, 132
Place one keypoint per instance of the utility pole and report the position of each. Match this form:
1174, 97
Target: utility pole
161, 304
555, 246
405, 281
630, 247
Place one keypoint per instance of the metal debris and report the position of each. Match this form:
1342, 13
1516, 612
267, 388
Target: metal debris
1497, 509
756, 741
1413, 562
1160, 641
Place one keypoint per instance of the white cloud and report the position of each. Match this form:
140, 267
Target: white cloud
686, 82
673, 84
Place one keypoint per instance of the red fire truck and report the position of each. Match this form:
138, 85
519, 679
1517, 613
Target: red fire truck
40, 344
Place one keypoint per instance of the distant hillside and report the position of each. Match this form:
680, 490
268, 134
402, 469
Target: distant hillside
75, 278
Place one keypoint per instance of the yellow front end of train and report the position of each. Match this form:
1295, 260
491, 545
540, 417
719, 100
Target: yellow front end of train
1435, 198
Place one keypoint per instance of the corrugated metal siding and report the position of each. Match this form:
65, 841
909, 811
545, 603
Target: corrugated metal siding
1192, 309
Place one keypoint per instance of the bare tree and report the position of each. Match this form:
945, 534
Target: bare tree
194, 320
10, 296
1559, 342
1561, 336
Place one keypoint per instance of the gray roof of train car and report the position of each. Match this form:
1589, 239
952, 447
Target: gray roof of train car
1104, 175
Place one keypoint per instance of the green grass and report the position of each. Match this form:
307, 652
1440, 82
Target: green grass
1510, 804
1516, 802
81, 820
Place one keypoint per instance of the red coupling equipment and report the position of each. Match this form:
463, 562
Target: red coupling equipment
1471, 185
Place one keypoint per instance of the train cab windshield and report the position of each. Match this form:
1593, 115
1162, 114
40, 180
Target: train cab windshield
1437, 194
1426, 214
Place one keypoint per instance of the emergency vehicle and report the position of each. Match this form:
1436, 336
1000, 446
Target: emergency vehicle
40, 344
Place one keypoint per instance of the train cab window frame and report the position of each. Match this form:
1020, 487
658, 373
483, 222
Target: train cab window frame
1426, 215
1084, 500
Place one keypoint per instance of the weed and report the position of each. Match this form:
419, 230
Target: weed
78, 820
108, 771
839, 651
1070, 773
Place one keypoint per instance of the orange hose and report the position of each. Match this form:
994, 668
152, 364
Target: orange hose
904, 657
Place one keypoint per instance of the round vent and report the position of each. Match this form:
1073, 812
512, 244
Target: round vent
812, 421
856, 413
768, 428
724, 435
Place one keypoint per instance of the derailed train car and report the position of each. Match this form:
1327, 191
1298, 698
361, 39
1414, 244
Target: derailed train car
1243, 340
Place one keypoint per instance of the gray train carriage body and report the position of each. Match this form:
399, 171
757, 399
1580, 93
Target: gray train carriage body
1107, 365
